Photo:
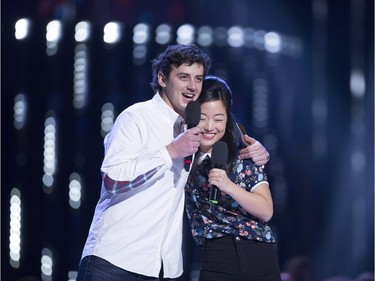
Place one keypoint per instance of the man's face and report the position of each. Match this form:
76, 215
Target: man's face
184, 84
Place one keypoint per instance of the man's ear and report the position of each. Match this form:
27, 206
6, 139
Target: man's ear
161, 79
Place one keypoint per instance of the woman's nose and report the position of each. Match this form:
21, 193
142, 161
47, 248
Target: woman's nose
208, 126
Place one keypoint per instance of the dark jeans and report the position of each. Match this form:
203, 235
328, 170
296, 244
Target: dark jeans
93, 268
233, 259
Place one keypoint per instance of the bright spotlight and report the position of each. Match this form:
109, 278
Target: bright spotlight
272, 42
205, 36
112, 33
141, 33
20, 110
108, 117
185, 34
82, 31
235, 37
357, 83
53, 36
22, 28
163, 34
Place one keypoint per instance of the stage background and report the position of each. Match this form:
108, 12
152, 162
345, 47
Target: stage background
302, 76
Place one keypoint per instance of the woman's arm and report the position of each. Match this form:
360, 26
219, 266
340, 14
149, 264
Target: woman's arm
258, 202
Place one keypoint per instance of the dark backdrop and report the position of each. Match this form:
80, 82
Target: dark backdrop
320, 135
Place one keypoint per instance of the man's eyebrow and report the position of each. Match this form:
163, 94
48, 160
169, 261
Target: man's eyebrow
185, 73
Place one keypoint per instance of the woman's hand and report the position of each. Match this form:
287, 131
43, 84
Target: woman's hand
219, 178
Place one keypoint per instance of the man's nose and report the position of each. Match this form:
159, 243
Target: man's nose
192, 85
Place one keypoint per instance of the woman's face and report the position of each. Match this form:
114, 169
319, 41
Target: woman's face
212, 123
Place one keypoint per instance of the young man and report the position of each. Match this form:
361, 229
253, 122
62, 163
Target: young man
136, 232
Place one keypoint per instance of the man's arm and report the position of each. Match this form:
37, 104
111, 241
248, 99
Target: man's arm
254, 151
128, 163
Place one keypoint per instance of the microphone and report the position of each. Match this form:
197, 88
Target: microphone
219, 157
192, 118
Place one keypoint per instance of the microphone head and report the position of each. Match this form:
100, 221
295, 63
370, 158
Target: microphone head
219, 154
192, 114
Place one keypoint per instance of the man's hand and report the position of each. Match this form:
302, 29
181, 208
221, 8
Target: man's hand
185, 144
254, 151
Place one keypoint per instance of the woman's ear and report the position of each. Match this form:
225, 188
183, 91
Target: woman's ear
161, 79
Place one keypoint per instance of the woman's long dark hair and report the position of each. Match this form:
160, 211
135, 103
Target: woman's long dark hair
213, 89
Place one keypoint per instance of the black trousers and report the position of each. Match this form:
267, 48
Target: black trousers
232, 258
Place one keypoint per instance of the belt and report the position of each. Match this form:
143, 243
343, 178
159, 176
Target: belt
234, 237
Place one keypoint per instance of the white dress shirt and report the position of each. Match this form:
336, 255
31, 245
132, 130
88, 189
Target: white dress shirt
139, 229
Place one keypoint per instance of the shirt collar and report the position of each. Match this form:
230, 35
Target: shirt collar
201, 156
165, 109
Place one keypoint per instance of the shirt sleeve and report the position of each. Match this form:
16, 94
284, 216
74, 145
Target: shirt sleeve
132, 158
251, 175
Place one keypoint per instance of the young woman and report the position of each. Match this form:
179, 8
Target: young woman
237, 242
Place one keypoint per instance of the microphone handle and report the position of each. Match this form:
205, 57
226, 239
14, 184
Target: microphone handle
214, 192
188, 160
214, 195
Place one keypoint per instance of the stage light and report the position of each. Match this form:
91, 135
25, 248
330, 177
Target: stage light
50, 159
15, 228
72, 275
163, 34
235, 37
22, 28
112, 33
20, 110
357, 83
272, 42
185, 34
53, 36
46, 264
107, 118
141, 33
80, 76
54, 31
82, 31
139, 54
205, 36
75, 187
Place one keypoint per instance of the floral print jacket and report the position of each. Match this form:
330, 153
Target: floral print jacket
228, 217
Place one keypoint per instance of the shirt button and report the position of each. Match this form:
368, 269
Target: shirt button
238, 238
